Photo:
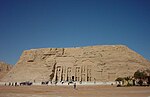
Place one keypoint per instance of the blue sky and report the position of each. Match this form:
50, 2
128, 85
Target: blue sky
26, 24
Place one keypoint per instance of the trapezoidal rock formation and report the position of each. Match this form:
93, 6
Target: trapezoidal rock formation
92, 63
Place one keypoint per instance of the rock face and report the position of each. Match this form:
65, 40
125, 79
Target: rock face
4, 69
93, 63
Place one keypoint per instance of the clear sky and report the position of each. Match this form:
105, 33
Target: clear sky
27, 24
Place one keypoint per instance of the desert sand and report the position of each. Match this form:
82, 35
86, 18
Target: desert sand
69, 91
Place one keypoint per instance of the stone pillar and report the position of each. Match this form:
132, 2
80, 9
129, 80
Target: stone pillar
69, 73
83, 73
89, 71
78, 73
73, 73
92, 74
66, 73
86, 73
63, 73
54, 79
60, 73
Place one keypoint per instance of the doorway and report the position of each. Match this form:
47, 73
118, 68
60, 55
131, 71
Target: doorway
72, 78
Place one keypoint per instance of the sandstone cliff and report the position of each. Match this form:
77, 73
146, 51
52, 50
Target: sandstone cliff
4, 69
92, 63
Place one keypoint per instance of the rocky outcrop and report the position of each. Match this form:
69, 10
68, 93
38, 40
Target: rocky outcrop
92, 63
4, 69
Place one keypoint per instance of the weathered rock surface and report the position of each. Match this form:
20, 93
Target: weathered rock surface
92, 63
4, 69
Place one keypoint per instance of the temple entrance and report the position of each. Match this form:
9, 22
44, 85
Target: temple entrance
72, 78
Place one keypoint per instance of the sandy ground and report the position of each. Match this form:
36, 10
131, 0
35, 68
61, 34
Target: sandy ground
68, 91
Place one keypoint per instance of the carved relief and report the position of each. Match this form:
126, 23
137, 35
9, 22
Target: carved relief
58, 73
77, 74
31, 56
83, 73
59, 52
69, 74
89, 77
47, 52
63, 75
50, 62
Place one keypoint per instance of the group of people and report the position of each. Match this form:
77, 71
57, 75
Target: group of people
15, 84
27, 83
11, 84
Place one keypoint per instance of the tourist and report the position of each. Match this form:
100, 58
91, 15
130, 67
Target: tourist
15, 83
80, 82
94, 80
74, 85
62, 82
9, 84
12, 84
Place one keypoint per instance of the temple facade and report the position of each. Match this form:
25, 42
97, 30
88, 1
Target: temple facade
74, 73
